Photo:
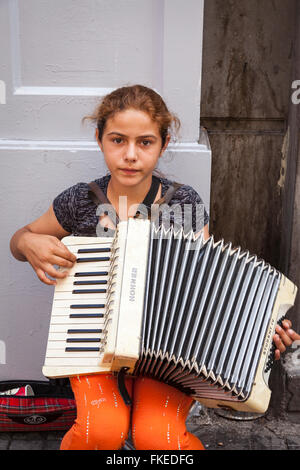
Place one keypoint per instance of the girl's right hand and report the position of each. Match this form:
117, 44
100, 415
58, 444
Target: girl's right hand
42, 252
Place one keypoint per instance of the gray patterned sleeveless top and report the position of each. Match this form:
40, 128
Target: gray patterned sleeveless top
76, 212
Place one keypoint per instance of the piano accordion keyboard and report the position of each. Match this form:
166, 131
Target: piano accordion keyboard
78, 321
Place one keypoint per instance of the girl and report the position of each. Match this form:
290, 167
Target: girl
133, 127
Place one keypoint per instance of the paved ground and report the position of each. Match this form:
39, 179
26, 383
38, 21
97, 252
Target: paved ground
216, 432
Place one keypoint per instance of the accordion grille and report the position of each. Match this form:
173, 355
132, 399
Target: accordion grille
207, 308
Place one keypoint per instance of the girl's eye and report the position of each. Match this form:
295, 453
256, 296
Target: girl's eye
117, 140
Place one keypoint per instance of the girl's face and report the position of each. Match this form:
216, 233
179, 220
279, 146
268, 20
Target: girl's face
131, 144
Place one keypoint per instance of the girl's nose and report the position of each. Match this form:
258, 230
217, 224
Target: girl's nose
131, 152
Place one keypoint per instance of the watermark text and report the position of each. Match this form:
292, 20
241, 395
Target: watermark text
296, 93
2, 92
2, 352
189, 217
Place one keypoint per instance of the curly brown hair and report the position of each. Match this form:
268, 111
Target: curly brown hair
137, 97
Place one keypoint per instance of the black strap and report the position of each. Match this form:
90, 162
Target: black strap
96, 194
164, 200
98, 197
150, 197
122, 387
169, 194
144, 209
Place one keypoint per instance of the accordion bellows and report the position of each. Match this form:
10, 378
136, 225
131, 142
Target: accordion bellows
198, 315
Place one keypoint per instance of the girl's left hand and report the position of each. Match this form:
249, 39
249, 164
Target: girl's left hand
284, 337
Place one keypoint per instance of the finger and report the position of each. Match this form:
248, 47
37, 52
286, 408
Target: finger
51, 271
42, 277
278, 343
293, 335
64, 251
61, 262
64, 254
285, 338
286, 324
277, 355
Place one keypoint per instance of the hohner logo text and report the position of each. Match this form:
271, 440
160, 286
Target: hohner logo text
132, 285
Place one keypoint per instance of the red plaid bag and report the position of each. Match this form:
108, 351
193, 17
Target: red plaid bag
51, 408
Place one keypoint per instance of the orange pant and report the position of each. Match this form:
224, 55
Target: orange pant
159, 412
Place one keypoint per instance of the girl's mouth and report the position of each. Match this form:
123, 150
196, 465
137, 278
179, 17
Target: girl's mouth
129, 171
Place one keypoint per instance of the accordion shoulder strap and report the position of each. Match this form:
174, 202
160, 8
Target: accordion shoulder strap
98, 197
169, 194
154, 213
96, 194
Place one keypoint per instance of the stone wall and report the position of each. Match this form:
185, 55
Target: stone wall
249, 62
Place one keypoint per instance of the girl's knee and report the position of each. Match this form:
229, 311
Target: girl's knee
155, 432
158, 420
165, 436
85, 435
102, 417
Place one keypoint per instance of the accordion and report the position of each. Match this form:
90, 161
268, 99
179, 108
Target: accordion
196, 314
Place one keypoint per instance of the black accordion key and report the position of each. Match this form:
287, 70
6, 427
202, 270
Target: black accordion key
87, 306
89, 291
93, 250
83, 349
88, 283
85, 330
89, 260
98, 273
83, 340
86, 315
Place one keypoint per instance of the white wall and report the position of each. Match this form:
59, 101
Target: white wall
56, 60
